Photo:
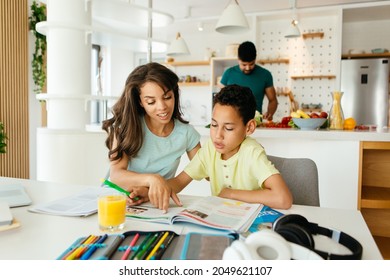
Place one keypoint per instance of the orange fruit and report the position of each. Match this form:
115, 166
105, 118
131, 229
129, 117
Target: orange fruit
349, 124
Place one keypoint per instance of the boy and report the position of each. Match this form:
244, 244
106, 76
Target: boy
236, 164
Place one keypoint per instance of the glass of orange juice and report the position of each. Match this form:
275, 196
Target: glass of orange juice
112, 211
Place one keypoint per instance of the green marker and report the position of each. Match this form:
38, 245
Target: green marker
114, 186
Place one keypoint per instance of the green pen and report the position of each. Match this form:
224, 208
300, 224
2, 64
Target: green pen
114, 186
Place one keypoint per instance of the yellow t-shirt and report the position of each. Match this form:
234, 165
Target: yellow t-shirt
246, 170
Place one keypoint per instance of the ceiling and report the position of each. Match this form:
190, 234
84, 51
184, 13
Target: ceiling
194, 9
184, 15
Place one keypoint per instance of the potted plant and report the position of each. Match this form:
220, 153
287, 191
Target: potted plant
3, 137
38, 14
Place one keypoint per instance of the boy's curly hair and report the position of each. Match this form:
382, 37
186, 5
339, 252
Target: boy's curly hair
239, 97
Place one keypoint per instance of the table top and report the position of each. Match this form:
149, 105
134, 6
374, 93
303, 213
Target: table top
45, 237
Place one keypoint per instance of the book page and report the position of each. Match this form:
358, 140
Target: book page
148, 212
83, 203
220, 213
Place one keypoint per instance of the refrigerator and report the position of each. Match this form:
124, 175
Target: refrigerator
365, 83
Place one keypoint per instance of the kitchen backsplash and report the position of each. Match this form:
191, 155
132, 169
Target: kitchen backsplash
313, 56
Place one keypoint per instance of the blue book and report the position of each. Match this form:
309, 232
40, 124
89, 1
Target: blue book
265, 218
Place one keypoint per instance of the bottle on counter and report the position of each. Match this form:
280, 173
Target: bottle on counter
336, 115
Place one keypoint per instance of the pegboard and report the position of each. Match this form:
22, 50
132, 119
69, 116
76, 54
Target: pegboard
307, 57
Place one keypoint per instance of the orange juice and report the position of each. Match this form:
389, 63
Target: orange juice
112, 212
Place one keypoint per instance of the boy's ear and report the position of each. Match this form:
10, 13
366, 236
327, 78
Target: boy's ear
250, 126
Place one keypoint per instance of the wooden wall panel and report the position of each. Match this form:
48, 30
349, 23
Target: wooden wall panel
14, 87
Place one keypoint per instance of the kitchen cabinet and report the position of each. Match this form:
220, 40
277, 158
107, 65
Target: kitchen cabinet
374, 191
218, 66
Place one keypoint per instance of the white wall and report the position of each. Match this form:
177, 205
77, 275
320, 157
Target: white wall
366, 35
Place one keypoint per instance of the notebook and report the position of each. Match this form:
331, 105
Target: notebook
14, 195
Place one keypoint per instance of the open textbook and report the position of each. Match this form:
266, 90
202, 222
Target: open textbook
210, 211
83, 203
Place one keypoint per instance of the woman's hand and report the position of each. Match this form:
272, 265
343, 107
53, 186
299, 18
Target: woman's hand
160, 193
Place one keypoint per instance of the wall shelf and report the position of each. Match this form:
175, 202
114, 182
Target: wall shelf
375, 197
189, 63
274, 61
313, 77
365, 55
313, 35
194, 84
311, 110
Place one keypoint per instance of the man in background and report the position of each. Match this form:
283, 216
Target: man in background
258, 79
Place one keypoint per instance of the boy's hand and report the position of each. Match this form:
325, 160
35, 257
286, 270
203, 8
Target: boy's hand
225, 193
138, 196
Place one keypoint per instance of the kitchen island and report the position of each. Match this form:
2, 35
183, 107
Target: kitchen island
337, 154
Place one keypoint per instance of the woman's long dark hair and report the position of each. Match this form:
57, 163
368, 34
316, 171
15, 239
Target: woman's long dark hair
126, 125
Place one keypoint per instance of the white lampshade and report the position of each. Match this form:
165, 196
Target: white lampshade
293, 30
233, 20
178, 47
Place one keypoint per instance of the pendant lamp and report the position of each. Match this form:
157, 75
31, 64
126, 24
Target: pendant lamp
178, 47
233, 20
293, 30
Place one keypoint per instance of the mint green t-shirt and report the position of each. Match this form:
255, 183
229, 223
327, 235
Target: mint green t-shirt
246, 170
161, 155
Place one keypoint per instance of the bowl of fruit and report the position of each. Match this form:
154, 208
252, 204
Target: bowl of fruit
305, 121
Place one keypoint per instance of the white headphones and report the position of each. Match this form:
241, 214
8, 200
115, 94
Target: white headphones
267, 244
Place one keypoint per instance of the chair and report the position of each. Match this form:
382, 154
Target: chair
301, 176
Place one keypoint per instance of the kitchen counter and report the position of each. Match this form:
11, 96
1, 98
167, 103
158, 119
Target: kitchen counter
336, 153
322, 134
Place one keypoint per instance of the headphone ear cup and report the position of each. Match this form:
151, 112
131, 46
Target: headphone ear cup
268, 245
296, 234
238, 250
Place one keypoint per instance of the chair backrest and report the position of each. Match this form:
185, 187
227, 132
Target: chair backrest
301, 176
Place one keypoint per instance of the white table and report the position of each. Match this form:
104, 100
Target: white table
45, 237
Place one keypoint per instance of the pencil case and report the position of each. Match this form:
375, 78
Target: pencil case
149, 245
114, 246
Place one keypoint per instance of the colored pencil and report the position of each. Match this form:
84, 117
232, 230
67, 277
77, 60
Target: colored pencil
160, 241
141, 246
152, 245
76, 252
143, 252
131, 245
163, 248
93, 248
73, 248
86, 247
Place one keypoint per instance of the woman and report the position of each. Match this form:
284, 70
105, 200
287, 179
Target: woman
147, 135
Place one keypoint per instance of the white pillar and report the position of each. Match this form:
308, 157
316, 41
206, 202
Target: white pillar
66, 152
68, 62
